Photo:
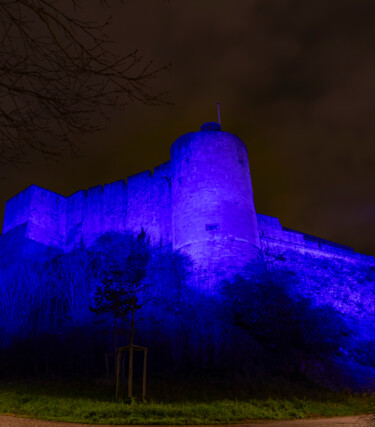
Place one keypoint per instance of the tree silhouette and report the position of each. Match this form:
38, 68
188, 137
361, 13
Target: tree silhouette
262, 306
123, 269
59, 78
123, 288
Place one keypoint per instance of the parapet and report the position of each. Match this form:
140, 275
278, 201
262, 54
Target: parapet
201, 199
278, 239
43, 210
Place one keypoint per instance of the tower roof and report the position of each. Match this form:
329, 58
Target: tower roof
210, 126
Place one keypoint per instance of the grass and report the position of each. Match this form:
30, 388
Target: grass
93, 403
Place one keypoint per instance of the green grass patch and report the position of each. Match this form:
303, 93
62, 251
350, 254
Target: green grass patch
94, 403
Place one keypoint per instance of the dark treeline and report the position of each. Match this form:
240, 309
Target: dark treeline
59, 317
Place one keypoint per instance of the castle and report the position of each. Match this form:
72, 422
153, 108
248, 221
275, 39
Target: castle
201, 203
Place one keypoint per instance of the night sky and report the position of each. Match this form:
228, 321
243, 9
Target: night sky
296, 82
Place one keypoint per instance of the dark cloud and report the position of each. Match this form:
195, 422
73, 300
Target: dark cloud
295, 80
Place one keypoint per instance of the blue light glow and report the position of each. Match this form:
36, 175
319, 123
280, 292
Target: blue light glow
199, 204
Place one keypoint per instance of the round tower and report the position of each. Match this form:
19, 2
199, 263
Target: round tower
213, 214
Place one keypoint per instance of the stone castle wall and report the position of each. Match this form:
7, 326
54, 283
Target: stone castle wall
213, 213
200, 201
43, 212
66, 222
322, 271
143, 200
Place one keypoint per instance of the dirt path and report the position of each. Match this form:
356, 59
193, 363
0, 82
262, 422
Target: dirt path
363, 420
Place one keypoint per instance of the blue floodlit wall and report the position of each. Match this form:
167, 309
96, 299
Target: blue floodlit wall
201, 203
213, 213
328, 273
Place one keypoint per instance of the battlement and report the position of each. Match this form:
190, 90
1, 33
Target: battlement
200, 202
142, 201
42, 210
277, 238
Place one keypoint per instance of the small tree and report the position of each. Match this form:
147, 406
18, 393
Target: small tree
122, 291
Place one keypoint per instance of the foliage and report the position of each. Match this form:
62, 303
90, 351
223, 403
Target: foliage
46, 324
70, 276
363, 353
250, 327
123, 270
44, 296
263, 307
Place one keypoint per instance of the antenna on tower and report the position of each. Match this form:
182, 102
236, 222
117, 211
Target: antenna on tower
218, 112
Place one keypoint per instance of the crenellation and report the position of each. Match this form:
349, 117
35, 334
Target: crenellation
115, 206
162, 204
138, 216
276, 238
93, 224
17, 209
44, 213
200, 202
74, 220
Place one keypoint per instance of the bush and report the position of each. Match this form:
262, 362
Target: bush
263, 307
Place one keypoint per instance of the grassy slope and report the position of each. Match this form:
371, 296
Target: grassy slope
92, 403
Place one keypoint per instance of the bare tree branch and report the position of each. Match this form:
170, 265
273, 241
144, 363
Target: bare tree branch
58, 78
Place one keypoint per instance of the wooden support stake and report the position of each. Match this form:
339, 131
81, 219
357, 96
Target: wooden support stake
106, 365
144, 374
130, 376
131, 348
118, 372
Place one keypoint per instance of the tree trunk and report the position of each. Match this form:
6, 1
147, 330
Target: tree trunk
130, 376
144, 375
115, 338
118, 373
